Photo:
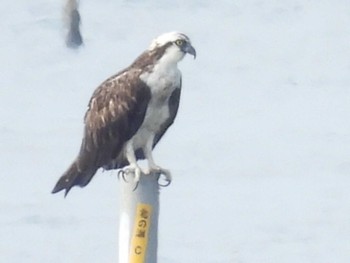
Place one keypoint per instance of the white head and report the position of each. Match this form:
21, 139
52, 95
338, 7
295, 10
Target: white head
176, 46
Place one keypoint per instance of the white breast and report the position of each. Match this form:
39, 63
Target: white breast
162, 82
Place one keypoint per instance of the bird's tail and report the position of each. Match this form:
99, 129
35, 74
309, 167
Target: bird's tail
73, 177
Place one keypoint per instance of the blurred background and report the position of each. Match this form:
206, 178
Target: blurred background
259, 152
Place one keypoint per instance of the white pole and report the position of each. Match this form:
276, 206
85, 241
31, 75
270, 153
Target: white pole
138, 227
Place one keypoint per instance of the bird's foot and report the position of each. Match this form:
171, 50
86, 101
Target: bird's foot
132, 170
136, 172
161, 171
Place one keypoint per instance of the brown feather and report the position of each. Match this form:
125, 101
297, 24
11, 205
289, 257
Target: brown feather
115, 112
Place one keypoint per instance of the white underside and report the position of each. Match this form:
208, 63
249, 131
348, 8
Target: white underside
162, 82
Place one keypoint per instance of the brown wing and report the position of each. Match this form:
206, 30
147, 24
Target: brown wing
116, 111
174, 101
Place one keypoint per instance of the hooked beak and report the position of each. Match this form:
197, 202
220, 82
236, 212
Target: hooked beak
190, 50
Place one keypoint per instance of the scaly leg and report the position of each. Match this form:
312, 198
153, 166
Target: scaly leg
152, 166
133, 167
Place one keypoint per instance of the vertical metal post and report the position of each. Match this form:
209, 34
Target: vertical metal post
138, 226
72, 24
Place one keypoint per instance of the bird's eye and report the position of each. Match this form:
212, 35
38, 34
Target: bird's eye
179, 42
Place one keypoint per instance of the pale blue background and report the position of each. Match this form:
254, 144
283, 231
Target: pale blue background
259, 151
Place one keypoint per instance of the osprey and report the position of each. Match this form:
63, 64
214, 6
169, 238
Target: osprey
129, 113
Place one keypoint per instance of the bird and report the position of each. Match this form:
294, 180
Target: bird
129, 113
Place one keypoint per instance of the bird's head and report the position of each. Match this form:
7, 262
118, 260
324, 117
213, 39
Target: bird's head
175, 46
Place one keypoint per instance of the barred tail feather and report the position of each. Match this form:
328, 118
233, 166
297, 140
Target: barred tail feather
73, 177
